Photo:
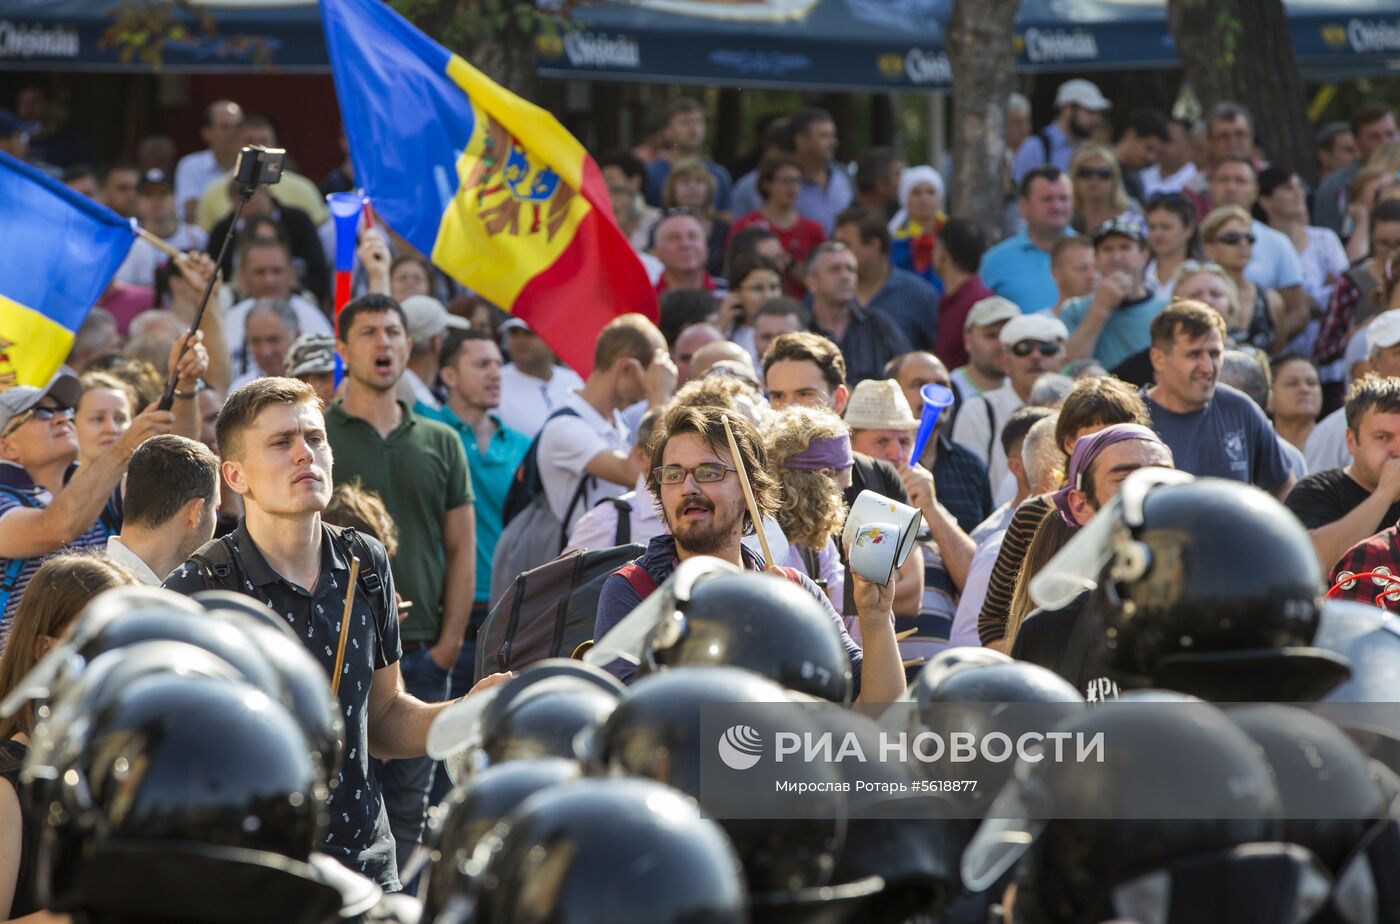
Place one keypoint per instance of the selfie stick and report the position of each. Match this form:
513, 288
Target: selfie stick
748, 493
245, 192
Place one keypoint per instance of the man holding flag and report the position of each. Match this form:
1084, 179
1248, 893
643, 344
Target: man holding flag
492, 187
61, 251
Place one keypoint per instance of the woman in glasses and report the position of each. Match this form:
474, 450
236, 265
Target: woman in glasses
1097, 184
1171, 236
779, 183
1229, 241
691, 187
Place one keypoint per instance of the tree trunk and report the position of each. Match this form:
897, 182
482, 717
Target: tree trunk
1242, 50
983, 62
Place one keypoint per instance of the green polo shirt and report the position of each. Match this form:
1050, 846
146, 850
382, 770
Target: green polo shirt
420, 472
492, 473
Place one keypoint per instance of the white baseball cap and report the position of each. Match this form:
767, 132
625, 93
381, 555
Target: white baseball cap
991, 310
1383, 331
1083, 94
427, 318
1042, 327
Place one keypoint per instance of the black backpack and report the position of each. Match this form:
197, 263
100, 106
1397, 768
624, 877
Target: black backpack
527, 484
548, 611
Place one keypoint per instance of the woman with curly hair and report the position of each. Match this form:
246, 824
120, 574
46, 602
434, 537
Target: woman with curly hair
809, 455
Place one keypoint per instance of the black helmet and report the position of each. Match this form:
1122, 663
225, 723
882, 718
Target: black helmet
658, 731
1178, 801
953, 659
1206, 586
606, 852
127, 615
1363, 706
471, 810
171, 764
536, 713
1333, 805
894, 832
992, 696
249, 606
709, 614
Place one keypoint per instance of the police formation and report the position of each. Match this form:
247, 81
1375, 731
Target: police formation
185, 749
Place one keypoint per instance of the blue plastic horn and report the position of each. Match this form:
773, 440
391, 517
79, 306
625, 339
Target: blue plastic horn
936, 398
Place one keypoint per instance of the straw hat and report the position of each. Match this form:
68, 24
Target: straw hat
879, 404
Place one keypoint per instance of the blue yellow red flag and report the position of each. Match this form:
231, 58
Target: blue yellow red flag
490, 186
58, 251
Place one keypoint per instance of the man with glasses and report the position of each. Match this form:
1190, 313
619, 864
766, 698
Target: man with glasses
1113, 322
47, 502
693, 480
1032, 345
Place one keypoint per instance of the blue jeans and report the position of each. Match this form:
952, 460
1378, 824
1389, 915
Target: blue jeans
406, 784
462, 677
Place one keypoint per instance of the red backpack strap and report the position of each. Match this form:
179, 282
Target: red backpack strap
793, 575
641, 580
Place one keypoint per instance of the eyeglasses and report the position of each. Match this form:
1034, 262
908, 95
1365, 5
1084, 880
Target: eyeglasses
705, 473
41, 413
1094, 173
1024, 348
1234, 237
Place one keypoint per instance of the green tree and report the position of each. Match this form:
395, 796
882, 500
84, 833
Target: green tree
1242, 50
497, 37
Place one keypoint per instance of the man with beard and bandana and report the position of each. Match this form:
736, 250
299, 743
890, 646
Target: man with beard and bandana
695, 485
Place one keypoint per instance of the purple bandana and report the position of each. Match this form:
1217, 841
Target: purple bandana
824, 452
1086, 451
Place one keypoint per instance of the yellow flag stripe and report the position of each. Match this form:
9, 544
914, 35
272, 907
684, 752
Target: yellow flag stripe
32, 347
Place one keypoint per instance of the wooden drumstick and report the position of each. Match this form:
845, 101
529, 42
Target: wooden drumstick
345, 625
748, 493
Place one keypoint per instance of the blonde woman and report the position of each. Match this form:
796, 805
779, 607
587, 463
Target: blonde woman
691, 186
1203, 281
809, 455
103, 414
1097, 183
1228, 238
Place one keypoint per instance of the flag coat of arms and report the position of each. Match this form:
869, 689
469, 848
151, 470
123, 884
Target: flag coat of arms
58, 252
498, 193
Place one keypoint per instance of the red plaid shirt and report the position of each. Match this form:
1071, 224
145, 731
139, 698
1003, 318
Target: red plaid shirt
1337, 322
1380, 553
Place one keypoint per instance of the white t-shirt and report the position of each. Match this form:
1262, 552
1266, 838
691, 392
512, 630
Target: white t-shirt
1327, 444
143, 260
1153, 183
597, 528
193, 174
310, 320
979, 434
567, 445
526, 401
974, 593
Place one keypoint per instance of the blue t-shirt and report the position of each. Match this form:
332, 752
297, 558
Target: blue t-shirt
1275, 264
1228, 438
1127, 331
492, 472
1020, 271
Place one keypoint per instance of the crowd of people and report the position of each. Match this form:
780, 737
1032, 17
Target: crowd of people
1168, 310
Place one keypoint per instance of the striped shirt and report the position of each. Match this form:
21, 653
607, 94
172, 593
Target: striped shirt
1001, 587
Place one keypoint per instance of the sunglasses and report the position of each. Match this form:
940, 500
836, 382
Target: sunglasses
1094, 173
706, 473
1234, 237
1024, 348
40, 413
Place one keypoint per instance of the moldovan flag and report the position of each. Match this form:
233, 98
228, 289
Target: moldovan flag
58, 251
492, 187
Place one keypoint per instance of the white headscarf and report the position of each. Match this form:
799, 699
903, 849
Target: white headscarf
911, 177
